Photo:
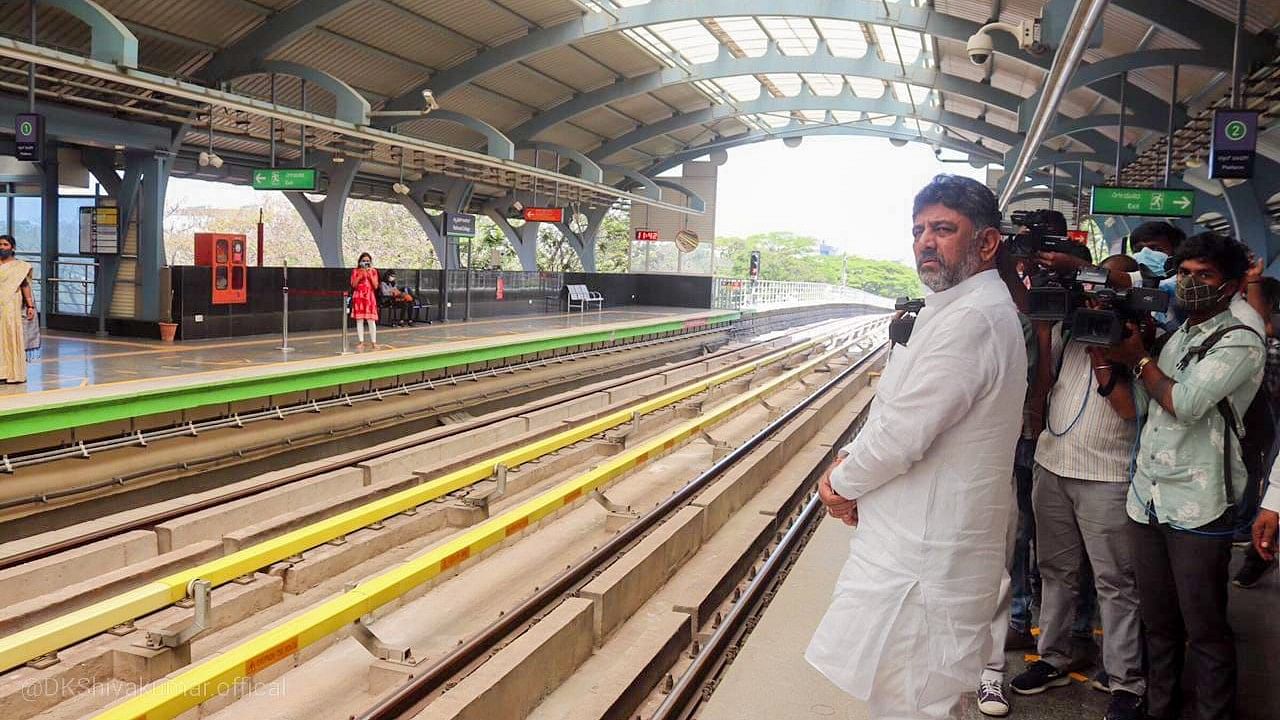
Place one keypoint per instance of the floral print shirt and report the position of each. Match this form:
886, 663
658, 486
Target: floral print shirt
1179, 472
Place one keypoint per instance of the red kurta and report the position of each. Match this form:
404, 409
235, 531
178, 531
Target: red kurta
364, 304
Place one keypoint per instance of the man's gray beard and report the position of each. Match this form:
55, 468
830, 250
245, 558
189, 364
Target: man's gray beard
947, 277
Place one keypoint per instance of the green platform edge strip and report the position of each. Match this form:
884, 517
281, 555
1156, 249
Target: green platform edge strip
82, 413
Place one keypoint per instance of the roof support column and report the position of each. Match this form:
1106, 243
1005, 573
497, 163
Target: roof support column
1249, 220
524, 238
155, 170
49, 229
324, 219
584, 243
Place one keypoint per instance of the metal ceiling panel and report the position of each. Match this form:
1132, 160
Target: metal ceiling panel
216, 22
397, 32
644, 108
481, 20
1259, 15
573, 68
604, 122
570, 136
618, 53
486, 106
685, 97
356, 67
527, 86
542, 12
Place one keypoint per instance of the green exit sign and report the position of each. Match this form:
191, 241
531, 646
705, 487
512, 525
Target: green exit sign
1150, 202
303, 179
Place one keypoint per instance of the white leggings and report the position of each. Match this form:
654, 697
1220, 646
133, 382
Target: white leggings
373, 331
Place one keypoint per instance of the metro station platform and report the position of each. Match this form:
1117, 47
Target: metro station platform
769, 677
81, 380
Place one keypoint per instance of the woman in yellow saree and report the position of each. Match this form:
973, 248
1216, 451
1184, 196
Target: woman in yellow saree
15, 293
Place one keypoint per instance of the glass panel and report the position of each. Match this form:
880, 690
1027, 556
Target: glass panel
26, 230
795, 36
788, 83
866, 87
69, 223
741, 87
844, 37
746, 32
825, 85
689, 38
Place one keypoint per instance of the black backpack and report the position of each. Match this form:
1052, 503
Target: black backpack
1256, 433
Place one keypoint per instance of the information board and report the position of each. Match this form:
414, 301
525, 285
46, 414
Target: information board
459, 225
647, 235
1234, 144
100, 230
1148, 202
543, 214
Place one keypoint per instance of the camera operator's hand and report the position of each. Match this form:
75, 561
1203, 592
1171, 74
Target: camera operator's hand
1131, 349
1061, 262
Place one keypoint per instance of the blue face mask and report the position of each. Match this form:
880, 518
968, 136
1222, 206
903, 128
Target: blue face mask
1152, 260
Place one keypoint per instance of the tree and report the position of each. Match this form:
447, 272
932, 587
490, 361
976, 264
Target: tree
787, 256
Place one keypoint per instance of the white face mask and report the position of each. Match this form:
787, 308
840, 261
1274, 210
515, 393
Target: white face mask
1153, 260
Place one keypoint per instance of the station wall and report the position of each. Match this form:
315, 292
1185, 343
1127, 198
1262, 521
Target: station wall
315, 296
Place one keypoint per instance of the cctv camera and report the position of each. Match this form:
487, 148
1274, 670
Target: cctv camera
979, 48
429, 101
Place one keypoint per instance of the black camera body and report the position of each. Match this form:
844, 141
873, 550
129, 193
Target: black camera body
900, 327
1104, 324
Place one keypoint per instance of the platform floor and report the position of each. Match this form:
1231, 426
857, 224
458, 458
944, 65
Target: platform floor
77, 361
770, 679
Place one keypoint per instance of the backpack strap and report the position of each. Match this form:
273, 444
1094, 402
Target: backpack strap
1224, 405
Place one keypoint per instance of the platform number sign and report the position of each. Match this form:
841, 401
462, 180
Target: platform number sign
754, 270
29, 137
1234, 144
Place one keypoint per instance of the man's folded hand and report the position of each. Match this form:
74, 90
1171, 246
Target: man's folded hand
838, 507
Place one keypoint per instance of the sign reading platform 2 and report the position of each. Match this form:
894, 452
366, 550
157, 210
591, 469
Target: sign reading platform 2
1234, 144
1149, 202
299, 179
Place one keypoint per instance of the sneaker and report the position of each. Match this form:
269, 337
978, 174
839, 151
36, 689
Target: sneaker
1252, 571
991, 701
1038, 677
1124, 706
1101, 681
1018, 640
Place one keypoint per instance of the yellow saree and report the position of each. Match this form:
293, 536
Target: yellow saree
13, 356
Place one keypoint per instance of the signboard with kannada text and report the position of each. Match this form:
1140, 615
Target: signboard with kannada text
295, 179
28, 139
459, 225
1234, 144
1146, 202
647, 235
543, 214
100, 230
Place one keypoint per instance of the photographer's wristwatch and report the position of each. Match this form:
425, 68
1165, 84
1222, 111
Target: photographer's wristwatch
1142, 365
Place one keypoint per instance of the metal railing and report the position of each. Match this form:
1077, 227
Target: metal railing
739, 294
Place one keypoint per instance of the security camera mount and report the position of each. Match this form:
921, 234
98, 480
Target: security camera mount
980, 45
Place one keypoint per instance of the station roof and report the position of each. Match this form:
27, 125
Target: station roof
645, 84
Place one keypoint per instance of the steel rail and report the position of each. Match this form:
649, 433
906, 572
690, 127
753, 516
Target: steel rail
408, 698
57, 633
238, 664
103, 533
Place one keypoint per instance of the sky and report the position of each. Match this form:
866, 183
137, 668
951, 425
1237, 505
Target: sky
851, 192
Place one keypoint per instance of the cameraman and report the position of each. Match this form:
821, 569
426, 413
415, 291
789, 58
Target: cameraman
1078, 497
1189, 474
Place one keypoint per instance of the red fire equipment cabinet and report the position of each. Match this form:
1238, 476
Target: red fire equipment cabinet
225, 254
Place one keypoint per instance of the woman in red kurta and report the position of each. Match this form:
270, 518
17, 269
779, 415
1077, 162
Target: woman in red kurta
364, 302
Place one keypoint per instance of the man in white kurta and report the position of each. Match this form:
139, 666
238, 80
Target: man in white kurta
929, 472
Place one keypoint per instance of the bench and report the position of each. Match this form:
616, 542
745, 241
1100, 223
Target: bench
581, 298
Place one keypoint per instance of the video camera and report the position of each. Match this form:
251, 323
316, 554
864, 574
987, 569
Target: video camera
1104, 324
900, 328
1040, 236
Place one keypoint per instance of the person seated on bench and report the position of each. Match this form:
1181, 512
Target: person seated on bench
397, 300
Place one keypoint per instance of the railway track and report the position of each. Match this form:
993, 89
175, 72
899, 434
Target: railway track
87, 622
312, 470
290, 639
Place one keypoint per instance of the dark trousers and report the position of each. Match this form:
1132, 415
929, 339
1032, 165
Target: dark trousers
1182, 591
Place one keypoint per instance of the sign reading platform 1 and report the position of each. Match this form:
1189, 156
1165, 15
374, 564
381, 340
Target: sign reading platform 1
1149, 202
28, 137
299, 179
1234, 144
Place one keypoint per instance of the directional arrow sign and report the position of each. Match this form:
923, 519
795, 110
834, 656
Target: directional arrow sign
1148, 202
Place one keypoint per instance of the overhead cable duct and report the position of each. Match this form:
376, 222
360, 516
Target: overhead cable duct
1084, 17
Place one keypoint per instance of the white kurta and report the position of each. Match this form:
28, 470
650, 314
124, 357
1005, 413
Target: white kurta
930, 471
